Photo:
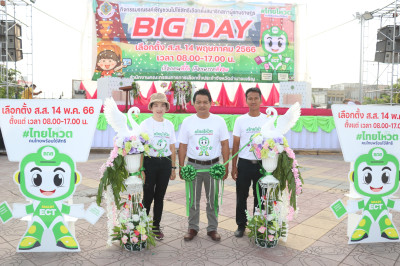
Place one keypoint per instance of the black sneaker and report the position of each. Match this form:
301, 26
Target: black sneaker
239, 232
159, 235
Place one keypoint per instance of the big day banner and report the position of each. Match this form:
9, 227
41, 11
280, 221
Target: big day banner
182, 41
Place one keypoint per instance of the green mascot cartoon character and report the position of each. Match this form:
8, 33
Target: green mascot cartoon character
47, 179
204, 144
376, 178
161, 147
274, 42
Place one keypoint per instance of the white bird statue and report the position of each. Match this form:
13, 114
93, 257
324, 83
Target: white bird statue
117, 120
284, 123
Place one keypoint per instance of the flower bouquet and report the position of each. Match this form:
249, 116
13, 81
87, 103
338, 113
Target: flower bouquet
135, 229
182, 93
286, 172
113, 171
135, 92
281, 184
266, 227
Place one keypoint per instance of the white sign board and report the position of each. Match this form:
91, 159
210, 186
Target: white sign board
47, 137
68, 125
362, 127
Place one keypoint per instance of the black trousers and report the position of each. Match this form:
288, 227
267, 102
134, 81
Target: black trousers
247, 172
158, 172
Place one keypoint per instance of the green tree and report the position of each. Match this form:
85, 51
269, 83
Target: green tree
14, 91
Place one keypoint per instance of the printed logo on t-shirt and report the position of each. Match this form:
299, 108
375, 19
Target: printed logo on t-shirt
204, 131
204, 146
161, 135
252, 131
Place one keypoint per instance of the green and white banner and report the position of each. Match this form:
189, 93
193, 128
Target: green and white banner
369, 138
47, 137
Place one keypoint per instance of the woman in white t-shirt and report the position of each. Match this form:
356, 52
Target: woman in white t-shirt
160, 164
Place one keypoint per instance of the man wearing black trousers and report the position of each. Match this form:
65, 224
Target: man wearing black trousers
247, 170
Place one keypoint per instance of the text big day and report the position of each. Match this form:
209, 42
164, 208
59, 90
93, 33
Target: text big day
204, 28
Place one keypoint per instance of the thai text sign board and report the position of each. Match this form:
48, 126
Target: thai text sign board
68, 125
368, 137
186, 41
362, 127
47, 137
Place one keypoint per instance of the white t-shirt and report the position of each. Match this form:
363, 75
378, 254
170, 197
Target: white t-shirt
162, 134
245, 127
203, 136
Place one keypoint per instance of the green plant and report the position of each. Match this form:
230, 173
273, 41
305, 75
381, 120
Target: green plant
14, 91
135, 92
114, 176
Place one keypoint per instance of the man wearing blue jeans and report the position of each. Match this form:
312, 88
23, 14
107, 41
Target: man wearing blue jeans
203, 137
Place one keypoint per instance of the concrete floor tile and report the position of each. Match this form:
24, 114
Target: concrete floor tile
228, 224
360, 259
297, 242
279, 254
169, 206
321, 223
308, 231
310, 260
330, 251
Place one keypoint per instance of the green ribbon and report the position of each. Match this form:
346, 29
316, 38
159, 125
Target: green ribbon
188, 173
138, 173
217, 172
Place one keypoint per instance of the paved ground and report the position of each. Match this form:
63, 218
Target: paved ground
316, 237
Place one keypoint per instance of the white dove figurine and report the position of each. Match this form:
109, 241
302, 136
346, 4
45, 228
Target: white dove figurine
284, 123
117, 120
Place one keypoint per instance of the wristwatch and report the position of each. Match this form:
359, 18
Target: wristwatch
173, 167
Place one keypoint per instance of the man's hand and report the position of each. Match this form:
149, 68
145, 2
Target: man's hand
180, 174
173, 175
234, 172
226, 172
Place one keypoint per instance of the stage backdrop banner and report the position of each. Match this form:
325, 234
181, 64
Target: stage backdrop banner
177, 41
47, 137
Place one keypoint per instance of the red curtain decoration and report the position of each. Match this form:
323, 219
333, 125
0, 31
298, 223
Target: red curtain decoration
273, 96
145, 100
205, 86
170, 94
223, 99
263, 101
240, 98
88, 96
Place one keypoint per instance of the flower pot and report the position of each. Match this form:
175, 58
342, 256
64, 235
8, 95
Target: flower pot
270, 165
265, 243
133, 166
135, 247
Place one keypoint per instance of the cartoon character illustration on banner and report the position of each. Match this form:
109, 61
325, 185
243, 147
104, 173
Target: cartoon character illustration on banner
274, 42
47, 178
108, 62
204, 143
375, 178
